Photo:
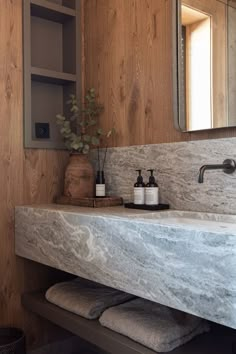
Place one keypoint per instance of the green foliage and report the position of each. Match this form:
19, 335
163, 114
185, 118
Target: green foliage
80, 131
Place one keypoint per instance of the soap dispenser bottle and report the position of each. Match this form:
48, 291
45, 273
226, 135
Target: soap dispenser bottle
139, 190
151, 191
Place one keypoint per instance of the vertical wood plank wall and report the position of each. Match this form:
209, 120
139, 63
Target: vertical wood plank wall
26, 176
128, 60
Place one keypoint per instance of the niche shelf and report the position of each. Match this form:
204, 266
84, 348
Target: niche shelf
51, 11
52, 77
51, 67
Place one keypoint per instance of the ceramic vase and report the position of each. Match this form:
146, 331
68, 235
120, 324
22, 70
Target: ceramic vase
79, 177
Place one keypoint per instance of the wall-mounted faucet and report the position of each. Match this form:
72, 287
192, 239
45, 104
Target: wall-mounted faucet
228, 166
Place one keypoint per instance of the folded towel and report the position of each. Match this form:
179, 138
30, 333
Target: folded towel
155, 326
85, 298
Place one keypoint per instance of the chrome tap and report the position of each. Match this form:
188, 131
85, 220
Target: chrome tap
228, 166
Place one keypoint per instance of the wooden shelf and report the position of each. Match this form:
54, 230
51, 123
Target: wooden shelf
51, 11
52, 77
218, 341
88, 330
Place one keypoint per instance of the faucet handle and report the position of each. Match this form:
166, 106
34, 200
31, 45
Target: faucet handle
230, 166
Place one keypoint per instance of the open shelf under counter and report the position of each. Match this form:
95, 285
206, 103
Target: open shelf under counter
51, 76
89, 330
51, 11
218, 341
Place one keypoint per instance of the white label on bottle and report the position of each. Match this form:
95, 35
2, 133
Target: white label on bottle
151, 196
139, 195
100, 190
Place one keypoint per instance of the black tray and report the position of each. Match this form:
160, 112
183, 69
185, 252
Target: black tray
147, 207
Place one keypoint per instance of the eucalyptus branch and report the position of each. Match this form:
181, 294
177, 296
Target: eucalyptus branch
86, 134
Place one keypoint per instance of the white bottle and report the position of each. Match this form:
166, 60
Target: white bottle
151, 191
100, 190
139, 190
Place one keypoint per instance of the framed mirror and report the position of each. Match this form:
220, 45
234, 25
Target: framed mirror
204, 43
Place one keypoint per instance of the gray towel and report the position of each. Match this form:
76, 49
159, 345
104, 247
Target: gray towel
155, 326
85, 298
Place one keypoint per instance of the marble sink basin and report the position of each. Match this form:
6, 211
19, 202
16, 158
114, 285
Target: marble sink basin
185, 260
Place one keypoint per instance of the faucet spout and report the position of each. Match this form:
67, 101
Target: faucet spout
228, 166
201, 173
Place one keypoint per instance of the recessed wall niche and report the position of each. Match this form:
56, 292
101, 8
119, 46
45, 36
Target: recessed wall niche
51, 67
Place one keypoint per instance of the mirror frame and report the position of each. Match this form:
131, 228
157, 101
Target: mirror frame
177, 73
176, 67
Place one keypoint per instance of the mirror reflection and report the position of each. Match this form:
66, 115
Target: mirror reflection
207, 64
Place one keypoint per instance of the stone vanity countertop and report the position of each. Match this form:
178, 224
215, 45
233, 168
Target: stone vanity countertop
184, 260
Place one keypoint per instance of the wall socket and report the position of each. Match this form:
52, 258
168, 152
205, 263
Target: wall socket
42, 130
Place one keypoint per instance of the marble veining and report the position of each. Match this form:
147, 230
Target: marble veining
184, 260
177, 166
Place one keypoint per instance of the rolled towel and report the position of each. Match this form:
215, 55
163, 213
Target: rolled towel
154, 326
85, 298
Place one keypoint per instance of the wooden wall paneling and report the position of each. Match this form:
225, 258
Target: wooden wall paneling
82, 37
104, 51
128, 59
11, 164
134, 61
26, 177
43, 175
159, 71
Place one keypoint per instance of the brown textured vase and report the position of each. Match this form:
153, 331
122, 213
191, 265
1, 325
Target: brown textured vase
79, 177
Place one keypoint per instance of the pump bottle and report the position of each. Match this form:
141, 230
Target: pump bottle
139, 190
151, 191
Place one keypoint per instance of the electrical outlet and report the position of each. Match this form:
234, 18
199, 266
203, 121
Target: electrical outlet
42, 130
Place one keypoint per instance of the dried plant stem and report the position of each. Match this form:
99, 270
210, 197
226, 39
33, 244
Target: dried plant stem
104, 160
98, 150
